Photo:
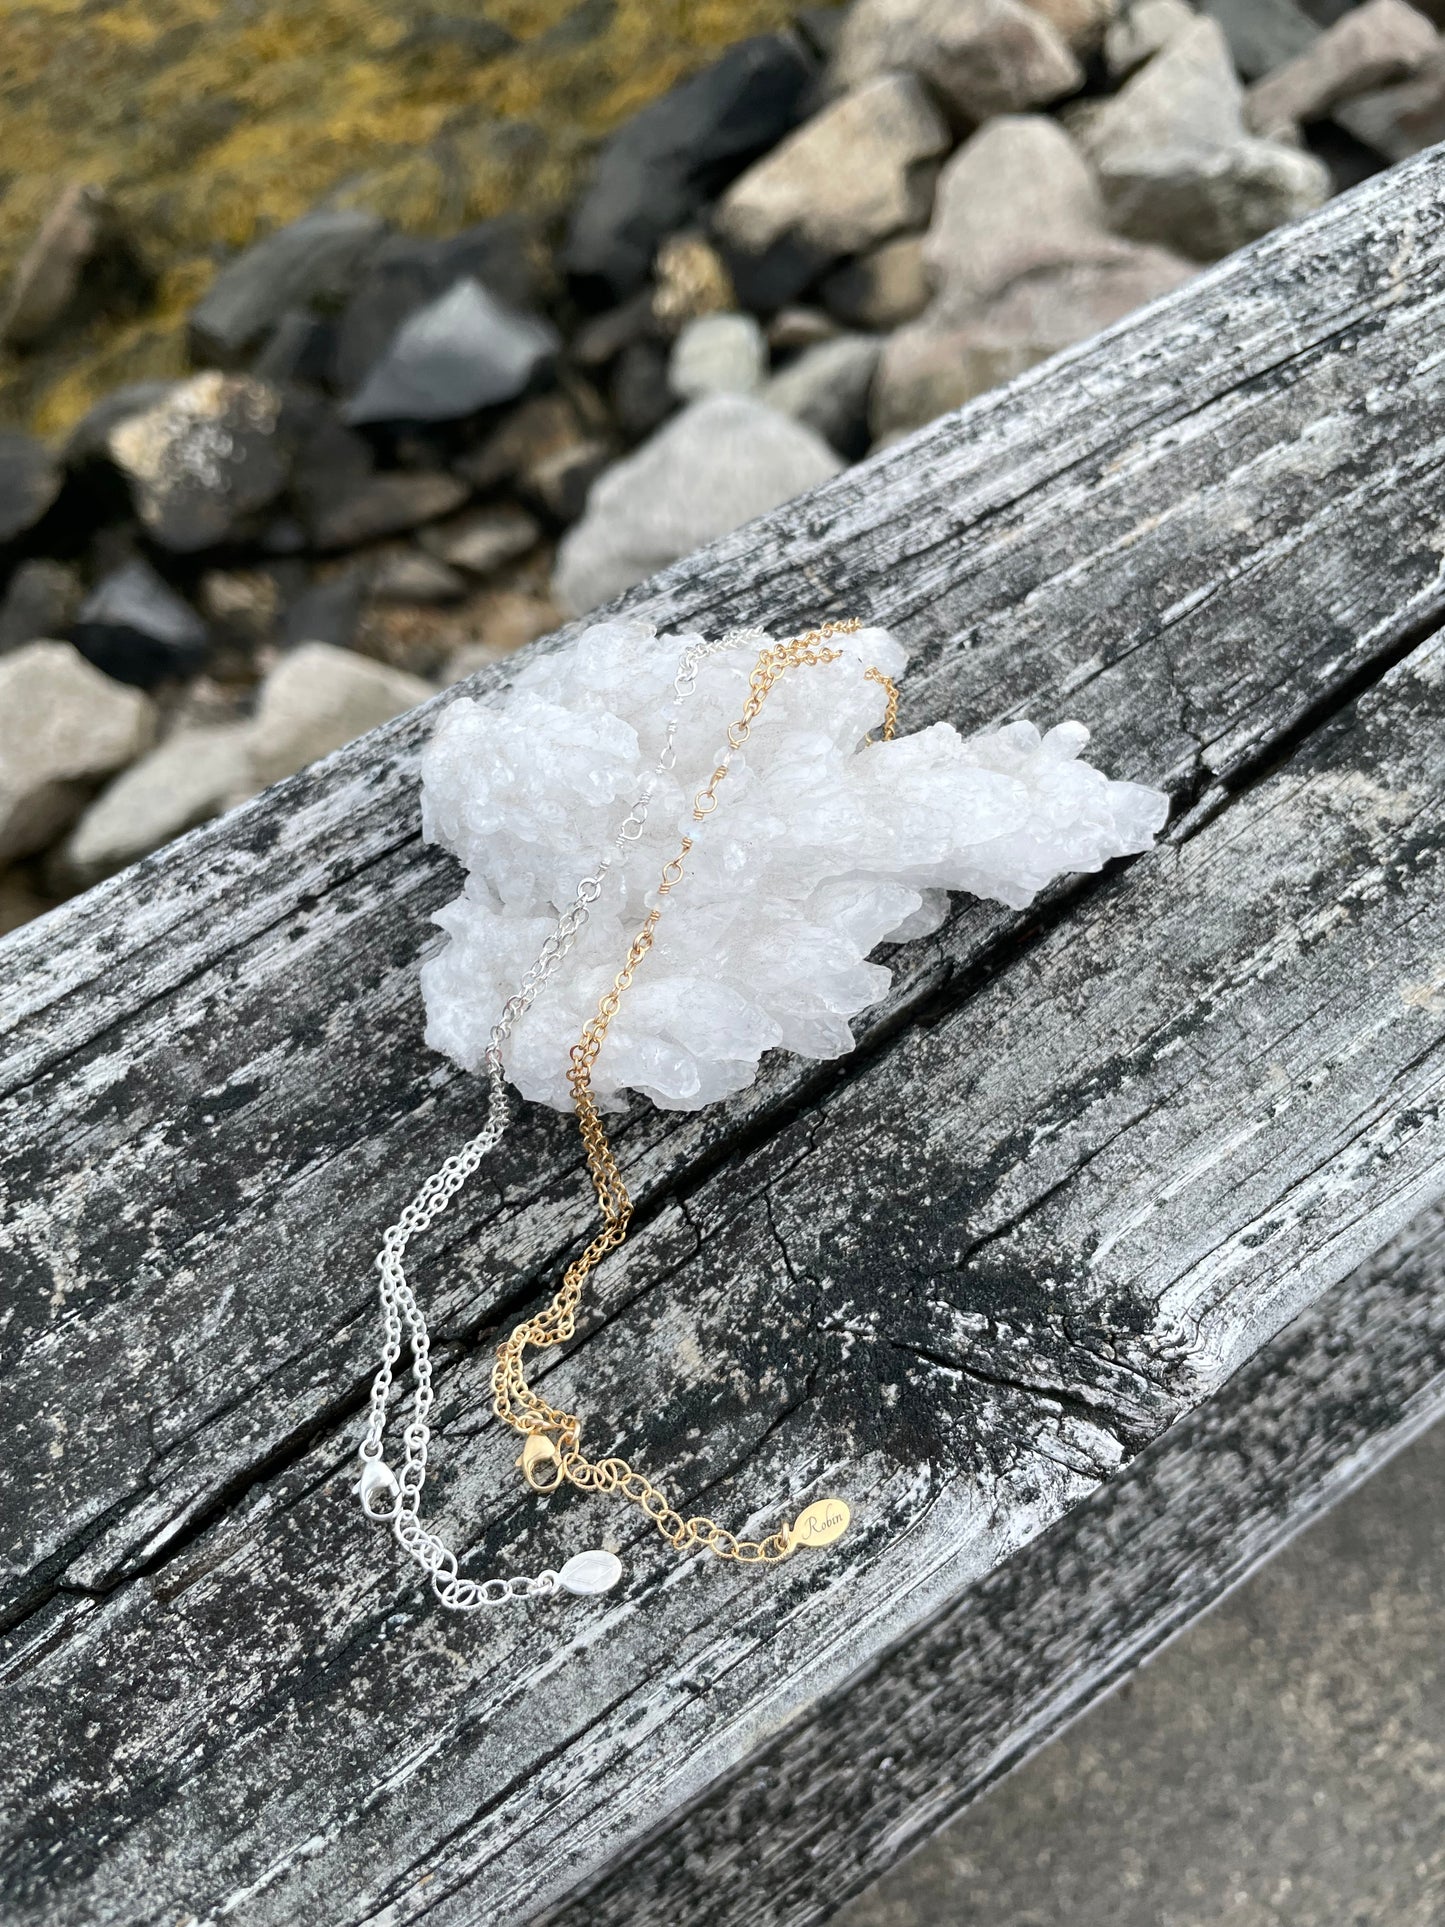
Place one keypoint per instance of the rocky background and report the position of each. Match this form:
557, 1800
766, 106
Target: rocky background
273, 479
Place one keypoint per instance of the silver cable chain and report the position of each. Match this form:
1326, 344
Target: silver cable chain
393, 1498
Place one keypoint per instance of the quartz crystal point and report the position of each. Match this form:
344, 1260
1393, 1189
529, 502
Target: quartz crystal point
821, 849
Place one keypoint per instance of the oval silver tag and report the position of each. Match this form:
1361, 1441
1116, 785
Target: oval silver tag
590, 1572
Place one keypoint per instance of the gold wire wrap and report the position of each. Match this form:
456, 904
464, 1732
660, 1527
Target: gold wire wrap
546, 1462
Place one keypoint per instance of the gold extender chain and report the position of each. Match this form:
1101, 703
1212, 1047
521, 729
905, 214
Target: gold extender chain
546, 1463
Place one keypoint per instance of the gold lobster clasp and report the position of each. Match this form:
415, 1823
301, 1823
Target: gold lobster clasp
541, 1463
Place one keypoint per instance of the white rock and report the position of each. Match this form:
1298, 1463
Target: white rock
820, 849
718, 464
182, 782
317, 698
63, 726
718, 354
857, 172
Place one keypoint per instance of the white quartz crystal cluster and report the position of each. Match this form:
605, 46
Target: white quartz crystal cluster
823, 846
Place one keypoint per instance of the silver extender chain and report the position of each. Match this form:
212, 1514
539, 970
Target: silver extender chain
395, 1498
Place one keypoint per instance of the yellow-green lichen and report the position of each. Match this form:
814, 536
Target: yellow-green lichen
212, 121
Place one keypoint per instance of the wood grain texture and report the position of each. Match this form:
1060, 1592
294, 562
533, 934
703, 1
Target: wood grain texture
1085, 1165
817, 1816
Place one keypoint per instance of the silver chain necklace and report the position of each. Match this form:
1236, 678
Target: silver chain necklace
395, 1499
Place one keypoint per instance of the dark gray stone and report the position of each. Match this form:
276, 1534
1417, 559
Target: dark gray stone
464, 351
136, 628
1263, 34
315, 258
641, 398
30, 479
301, 348
386, 504
328, 611
659, 170
404, 274
39, 602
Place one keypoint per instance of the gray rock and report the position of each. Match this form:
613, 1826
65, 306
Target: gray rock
317, 257
204, 458
81, 259
602, 338
464, 351
1399, 121
641, 398
316, 699
1082, 24
1024, 266
1262, 34
1188, 96
827, 388
1017, 199
800, 327
980, 57
410, 575
882, 289
937, 365
184, 781
30, 479
1375, 46
853, 175
667, 162
328, 610
300, 348
134, 627
483, 539
1212, 201
536, 428
388, 503
1141, 31
403, 274
1176, 164
718, 354
63, 727
722, 461
40, 600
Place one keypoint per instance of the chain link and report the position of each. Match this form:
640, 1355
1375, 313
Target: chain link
514, 1401
395, 1498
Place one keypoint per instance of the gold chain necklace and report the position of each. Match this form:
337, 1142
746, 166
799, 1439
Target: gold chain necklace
547, 1461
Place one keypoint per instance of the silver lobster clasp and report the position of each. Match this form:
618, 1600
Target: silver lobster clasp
377, 1481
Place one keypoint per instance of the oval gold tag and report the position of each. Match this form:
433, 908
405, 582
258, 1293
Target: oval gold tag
821, 1523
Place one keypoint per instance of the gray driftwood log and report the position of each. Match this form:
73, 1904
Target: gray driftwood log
1016, 1278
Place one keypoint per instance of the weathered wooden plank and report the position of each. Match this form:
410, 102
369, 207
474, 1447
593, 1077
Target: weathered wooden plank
817, 1816
1191, 534
1197, 1102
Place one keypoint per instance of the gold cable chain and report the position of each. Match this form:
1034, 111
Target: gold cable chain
546, 1464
